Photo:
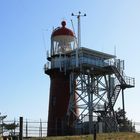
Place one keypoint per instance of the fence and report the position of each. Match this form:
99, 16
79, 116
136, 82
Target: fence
30, 128
33, 128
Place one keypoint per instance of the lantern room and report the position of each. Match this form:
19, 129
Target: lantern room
62, 40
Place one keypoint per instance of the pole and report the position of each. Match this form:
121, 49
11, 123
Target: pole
26, 128
2, 127
79, 30
90, 101
94, 132
21, 128
15, 127
79, 27
123, 106
79, 35
40, 129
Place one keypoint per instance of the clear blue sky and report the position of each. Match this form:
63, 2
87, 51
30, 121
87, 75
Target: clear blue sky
24, 88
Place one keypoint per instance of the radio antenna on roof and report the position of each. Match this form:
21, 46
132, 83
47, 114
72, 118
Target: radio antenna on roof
79, 27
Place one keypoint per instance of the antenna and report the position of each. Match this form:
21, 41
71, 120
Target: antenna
73, 27
43, 37
74, 33
44, 42
79, 35
79, 27
115, 50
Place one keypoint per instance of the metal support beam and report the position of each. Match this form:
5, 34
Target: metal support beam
123, 104
90, 101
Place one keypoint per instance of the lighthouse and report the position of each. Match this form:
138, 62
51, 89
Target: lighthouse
62, 43
84, 86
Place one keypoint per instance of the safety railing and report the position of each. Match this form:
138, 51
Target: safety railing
129, 80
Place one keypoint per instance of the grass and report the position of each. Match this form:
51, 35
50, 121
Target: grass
103, 136
119, 136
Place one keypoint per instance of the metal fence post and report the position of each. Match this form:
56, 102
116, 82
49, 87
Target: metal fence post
21, 128
94, 135
40, 129
26, 128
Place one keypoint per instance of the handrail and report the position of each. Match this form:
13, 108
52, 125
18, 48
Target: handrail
129, 80
125, 80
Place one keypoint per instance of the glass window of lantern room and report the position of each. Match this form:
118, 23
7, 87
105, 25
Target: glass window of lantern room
56, 47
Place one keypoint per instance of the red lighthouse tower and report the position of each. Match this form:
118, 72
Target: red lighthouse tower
62, 42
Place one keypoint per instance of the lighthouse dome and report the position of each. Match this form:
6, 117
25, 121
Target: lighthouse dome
62, 40
63, 33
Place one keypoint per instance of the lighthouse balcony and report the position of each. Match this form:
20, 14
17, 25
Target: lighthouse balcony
70, 63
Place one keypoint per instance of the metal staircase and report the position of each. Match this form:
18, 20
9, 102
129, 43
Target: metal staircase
125, 81
118, 75
115, 94
112, 121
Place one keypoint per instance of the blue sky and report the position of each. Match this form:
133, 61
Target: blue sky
24, 88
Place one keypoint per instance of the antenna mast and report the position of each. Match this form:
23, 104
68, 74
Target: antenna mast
79, 35
79, 27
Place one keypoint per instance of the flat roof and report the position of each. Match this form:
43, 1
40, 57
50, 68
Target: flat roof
94, 53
